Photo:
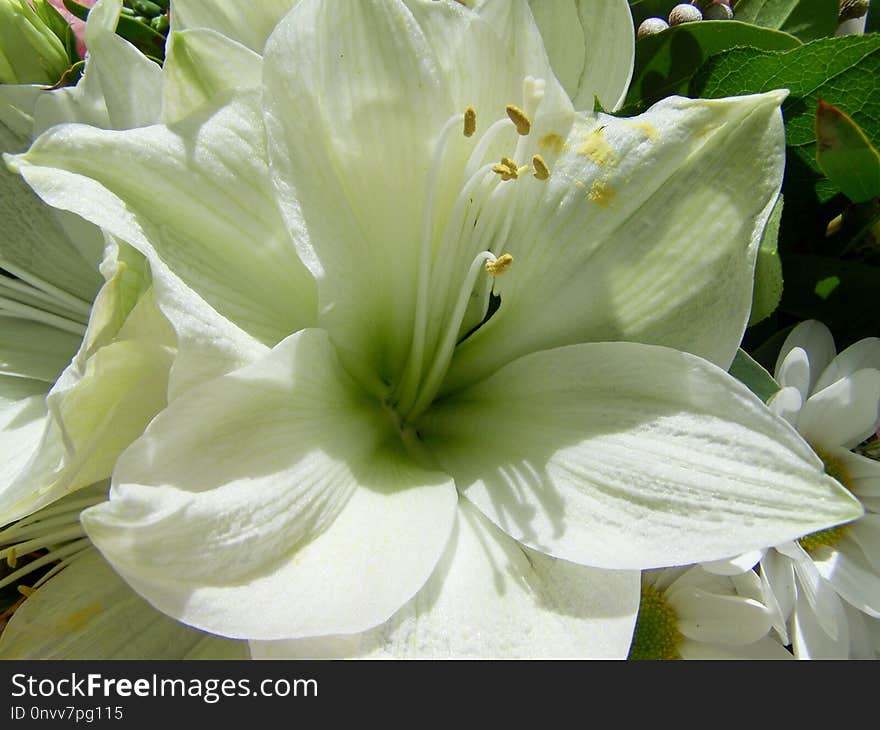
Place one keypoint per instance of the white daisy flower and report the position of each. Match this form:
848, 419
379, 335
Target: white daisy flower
689, 613
828, 583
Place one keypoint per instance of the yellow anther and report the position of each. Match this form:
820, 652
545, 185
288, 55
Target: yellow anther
470, 122
507, 169
522, 123
499, 265
11, 560
26, 591
542, 172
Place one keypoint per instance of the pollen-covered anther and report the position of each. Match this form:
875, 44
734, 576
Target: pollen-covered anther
507, 169
470, 122
542, 172
26, 591
500, 265
11, 559
520, 119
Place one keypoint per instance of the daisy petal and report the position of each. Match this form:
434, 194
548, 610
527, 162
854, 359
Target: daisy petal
787, 403
864, 473
811, 641
852, 576
88, 612
342, 531
817, 342
843, 413
794, 371
858, 356
720, 619
767, 648
490, 598
621, 455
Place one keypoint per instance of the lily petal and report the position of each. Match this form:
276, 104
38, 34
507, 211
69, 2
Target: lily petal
591, 46
88, 612
216, 224
22, 420
247, 23
34, 350
610, 234
202, 64
491, 598
621, 455
292, 504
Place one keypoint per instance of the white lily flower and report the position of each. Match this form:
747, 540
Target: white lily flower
414, 473
83, 358
688, 613
80, 608
827, 584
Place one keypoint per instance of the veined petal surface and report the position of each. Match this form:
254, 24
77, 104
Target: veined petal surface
620, 455
88, 612
610, 235
491, 598
301, 519
248, 23
201, 203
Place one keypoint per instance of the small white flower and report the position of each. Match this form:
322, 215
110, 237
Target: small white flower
689, 613
834, 401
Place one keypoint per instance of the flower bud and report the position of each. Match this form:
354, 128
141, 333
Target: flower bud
684, 13
30, 51
852, 9
650, 26
718, 11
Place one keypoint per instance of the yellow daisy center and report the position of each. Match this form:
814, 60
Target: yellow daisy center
656, 635
834, 468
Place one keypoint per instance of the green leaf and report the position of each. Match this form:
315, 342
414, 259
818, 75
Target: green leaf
768, 271
843, 71
805, 19
839, 293
665, 62
751, 374
846, 155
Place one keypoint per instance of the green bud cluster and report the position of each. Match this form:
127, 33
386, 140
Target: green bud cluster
37, 45
148, 12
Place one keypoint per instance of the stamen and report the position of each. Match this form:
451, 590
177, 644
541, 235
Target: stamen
11, 559
26, 591
447, 341
57, 554
520, 120
542, 172
500, 265
417, 350
480, 149
11, 308
508, 169
470, 122
62, 297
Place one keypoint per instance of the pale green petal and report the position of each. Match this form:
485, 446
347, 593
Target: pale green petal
33, 240
104, 398
17, 103
605, 249
298, 521
201, 202
201, 64
34, 350
351, 123
591, 44
247, 23
88, 612
23, 415
490, 598
620, 455
120, 88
